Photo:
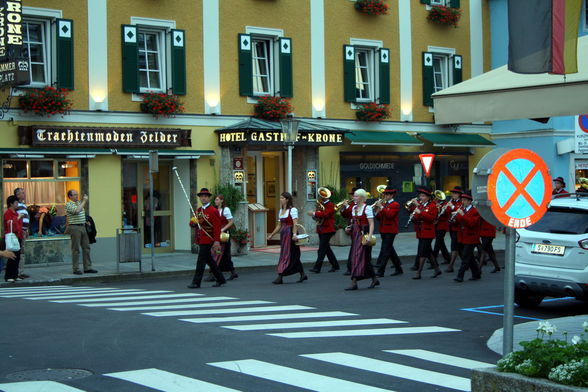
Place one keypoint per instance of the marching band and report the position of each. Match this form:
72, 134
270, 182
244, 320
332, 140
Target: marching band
430, 214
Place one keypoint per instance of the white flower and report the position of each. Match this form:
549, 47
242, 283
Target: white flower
585, 326
551, 330
576, 339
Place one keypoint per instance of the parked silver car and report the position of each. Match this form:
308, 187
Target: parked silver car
552, 255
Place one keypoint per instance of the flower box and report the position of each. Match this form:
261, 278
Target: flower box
492, 380
371, 7
372, 112
45, 101
272, 108
161, 104
442, 15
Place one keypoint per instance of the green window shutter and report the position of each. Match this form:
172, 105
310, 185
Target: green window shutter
286, 85
454, 3
427, 2
64, 54
245, 66
428, 79
349, 73
384, 74
130, 59
457, 63
178, 62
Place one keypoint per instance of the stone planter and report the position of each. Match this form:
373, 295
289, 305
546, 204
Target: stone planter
238, 249
341, 239
491, 380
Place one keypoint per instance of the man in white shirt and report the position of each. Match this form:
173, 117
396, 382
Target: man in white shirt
21, 209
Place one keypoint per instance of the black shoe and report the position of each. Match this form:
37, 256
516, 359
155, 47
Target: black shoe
90, 271
211, 278
302, 279
375, 283
347, 273
437, 273
351, 288
278, 280
23, 276
380, 274
218, 284
315, 270
333, 270
193, 286
413, 268
396, 273
458, 280
475, 278
233, 276
77, 272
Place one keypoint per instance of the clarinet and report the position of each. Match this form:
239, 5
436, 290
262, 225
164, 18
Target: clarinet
409, 219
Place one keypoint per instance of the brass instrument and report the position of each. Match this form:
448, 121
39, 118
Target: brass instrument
408, 203
366, 242
454, 215
340, 204
225, 237
380, 201
439, 195
319, 207
444, 208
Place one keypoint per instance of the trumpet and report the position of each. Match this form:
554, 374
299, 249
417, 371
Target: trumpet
339, 205
408, 203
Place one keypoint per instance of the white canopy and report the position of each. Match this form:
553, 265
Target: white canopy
504, 95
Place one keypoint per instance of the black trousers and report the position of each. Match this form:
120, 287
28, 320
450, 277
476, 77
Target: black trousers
468, 262
488, 248
325, 250
425, 249
440, 245
11, 271
454, 243
387, 251
205, 258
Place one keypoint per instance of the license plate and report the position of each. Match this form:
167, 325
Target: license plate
548, 249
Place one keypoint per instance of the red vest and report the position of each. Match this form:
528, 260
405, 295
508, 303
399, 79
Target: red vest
424, 222
210, 225
469, 227
328, 216
362, 219
223, 218
288, 221
388, 218
486, 229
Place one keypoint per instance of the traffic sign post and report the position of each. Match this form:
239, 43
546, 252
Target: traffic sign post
427, 162
511, 188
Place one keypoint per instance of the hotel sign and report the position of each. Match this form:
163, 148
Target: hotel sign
14, 64
315, 138
40, 136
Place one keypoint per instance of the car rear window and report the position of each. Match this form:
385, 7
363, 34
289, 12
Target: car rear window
563, 221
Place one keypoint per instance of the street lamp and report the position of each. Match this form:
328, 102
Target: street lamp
290, 128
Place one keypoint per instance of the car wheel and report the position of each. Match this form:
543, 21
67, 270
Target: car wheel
527, 299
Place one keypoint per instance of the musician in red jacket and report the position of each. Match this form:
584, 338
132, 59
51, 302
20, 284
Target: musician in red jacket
423, 217
453, 206
488, 233
386, 211
468, 220
208, 225
441, 228
559, 187
325, 227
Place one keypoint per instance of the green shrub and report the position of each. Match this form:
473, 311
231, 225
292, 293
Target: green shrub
232, 194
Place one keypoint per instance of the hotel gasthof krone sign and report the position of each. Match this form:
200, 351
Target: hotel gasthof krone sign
14, 64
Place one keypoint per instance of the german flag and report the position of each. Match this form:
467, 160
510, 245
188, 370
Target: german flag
543, 36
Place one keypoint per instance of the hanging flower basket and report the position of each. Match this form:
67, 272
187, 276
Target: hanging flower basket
272, 108
372, 7
46, 101
372, 112
161, 104
444, 15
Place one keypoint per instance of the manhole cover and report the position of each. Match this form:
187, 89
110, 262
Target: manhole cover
48, 375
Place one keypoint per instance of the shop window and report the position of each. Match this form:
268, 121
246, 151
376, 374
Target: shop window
46, 182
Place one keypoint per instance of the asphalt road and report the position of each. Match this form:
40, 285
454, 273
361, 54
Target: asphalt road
160, 351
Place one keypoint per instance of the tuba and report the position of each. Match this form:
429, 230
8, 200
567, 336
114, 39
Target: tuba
324, 193
439, 195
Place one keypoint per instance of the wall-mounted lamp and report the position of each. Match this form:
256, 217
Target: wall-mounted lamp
98, 100
212, 103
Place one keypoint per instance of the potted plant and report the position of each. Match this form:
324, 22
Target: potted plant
372, 111
443, 15
272, 108
371, 7
45, 101
542, 365
161, 104
240, 240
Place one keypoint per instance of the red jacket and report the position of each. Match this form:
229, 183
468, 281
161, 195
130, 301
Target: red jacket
486, 229
328, 216
424, 222
388, 218
346, 213
561, 192
210, 225
469, 227
443, 221
12, 216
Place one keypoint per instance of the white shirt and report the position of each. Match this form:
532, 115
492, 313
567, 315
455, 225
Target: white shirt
22, 210
204, 206
293, 213
226, 212
369, 212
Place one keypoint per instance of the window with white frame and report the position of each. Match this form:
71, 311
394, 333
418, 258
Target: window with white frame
438, 2
364, 74
441, 74
37, 43
263, 70
151, 48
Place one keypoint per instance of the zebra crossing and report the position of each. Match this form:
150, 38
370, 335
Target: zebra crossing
454, 377
302, 322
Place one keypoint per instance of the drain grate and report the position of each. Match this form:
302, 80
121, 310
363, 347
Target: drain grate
48, 375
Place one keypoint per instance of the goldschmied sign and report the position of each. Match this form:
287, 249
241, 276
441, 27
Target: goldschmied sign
14, 64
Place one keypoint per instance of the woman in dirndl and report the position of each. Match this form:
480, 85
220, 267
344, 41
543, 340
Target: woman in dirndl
289, 263
362, 222
223, 260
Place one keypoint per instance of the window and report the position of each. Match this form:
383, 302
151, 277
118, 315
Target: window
440, 72
151, 51
37, 46
366, 72
364, 75
438, 2
442, 68
262, 66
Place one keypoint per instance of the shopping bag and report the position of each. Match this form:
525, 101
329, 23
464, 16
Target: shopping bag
11, 241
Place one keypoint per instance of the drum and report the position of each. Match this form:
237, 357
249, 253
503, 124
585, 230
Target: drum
365, 242
225, 237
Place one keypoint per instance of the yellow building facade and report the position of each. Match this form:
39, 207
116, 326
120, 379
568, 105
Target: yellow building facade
219, 57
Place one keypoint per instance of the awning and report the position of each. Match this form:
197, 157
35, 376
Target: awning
175, 154
72, 153
456, 140
504, 95
374, 138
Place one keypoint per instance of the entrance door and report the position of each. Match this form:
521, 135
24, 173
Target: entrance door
136, 203
272, 185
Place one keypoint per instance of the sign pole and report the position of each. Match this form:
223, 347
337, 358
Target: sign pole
509, 282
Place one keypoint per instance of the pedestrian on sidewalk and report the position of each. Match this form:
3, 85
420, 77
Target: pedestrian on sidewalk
223, 259
325, 227
76, 228
208, 224
386, 212
289, 262
362, 223
12, 224
22, 210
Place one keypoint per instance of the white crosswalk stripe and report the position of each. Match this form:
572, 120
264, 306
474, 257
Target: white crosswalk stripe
362, 332
194, 306
86, 294
442, 358
393, 369
37, 386
312, 324
167, 382
262, 317
192, 298
297, 378
42, 294
144, 295
7, 289
228, 311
